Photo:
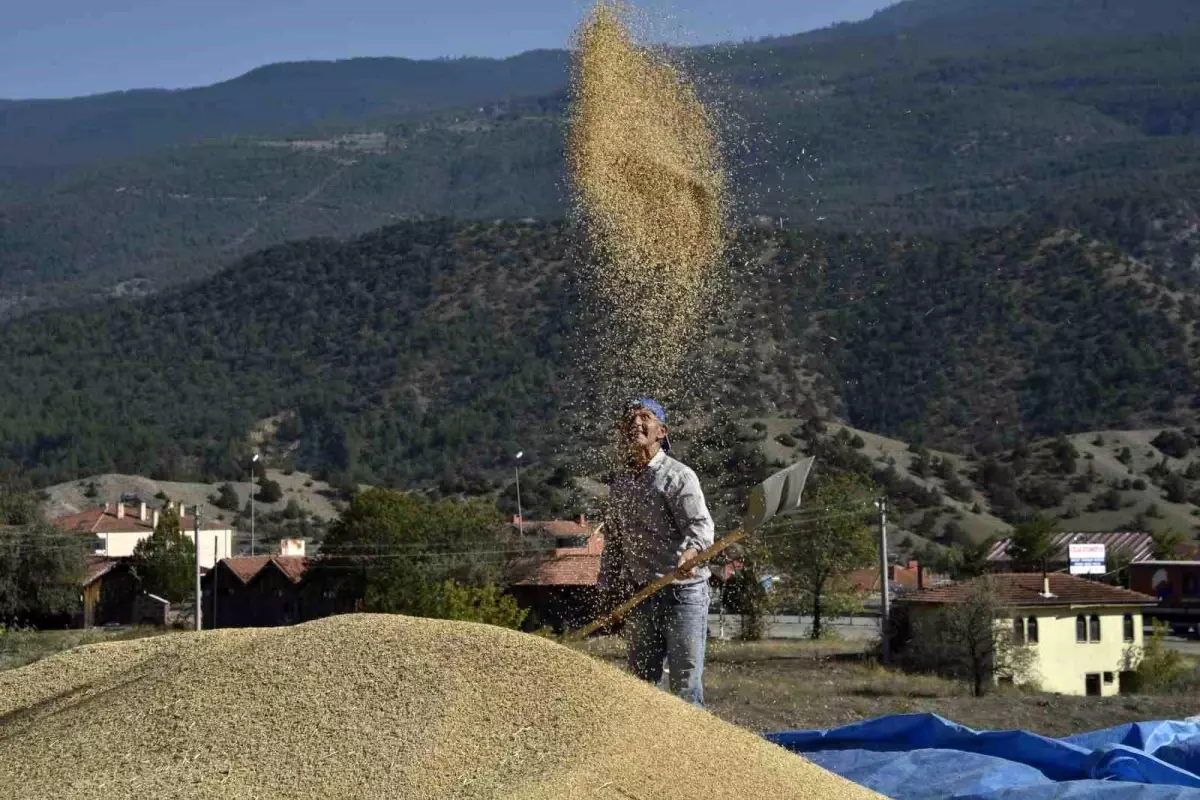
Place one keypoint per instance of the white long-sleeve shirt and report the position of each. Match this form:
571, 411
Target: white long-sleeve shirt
655, 515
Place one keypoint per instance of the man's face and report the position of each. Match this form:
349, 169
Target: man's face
642, 429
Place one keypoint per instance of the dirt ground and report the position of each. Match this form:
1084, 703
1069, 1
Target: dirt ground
778, 685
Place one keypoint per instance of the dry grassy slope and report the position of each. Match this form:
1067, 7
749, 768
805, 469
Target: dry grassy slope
68, 498
1179, 516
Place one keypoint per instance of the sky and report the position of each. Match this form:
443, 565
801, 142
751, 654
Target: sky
68, 48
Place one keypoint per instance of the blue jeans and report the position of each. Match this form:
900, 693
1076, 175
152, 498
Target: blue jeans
672, 625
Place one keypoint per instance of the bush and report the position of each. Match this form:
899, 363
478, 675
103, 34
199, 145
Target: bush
1157, 668
787, 440
1125, 456
270, 492
1173, 443
857, 442
1139, 484
958, 489
1042, 494
227, 498
486, 604
1175, 488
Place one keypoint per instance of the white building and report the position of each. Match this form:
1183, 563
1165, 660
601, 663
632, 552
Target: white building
119, 527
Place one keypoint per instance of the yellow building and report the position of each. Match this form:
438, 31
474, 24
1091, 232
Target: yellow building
1079, 631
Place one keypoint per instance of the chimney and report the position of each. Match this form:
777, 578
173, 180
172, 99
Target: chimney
142, 513
1046, 585
583, 520
516, 520
920, 577
155, 524
121, 510
291, 547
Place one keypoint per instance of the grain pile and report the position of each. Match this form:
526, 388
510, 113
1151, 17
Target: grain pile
370, 706
649, 191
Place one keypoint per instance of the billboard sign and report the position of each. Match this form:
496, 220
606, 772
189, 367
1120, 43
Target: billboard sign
1086, 559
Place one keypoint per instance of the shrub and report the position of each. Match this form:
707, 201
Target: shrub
1156, 667
786, 439
857, 442
1139, 484
270, 492
1173, 443
227, 498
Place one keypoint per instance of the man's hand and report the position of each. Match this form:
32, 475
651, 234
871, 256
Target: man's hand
686, 556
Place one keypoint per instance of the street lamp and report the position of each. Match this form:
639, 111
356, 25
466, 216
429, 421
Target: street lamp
520, 517
253, 461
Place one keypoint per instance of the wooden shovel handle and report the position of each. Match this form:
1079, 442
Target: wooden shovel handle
658, 585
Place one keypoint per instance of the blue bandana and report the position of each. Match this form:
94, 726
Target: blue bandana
654, 408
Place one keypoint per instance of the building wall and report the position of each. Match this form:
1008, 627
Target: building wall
119, 545
1063, 663
1171, 583
269, 600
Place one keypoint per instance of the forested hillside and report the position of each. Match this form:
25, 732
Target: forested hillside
931, 118
432, 349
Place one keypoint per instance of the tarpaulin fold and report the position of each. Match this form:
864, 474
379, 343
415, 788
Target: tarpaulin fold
910, 756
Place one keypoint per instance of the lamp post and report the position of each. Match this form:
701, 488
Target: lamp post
520, 516
253, 461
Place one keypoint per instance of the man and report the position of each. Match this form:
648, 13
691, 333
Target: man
657, 520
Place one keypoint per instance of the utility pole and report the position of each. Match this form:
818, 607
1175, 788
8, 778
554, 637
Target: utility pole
885, 607
520, 516
196, 541
216, 562
253, 483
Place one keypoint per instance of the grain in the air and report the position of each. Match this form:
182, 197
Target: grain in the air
370, 706
649, 190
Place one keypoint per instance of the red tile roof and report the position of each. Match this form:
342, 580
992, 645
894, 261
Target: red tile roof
554, 527
563, 566
102, 519
1139, 545
245, 568
899, 577
1025, 589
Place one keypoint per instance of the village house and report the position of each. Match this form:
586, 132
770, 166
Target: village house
112, 596
109, 590
255, 592
1079, 630
118, 527
1138, 546
558, 587
907, 577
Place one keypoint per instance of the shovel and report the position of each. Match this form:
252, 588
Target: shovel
777, 495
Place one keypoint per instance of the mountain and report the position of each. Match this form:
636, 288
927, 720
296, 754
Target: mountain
854, 131
996, 23
268, 100
432, 348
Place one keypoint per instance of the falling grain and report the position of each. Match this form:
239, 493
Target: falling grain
649, 192
370, 706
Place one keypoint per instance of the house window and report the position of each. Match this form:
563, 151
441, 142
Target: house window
1108, 677
1095, 628
1081, 628
1032, 635
1129, 627
1019, 630
1189, 584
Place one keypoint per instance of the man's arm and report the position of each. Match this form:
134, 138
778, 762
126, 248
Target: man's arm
690, 511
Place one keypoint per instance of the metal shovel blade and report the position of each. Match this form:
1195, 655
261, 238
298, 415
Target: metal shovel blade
777, 495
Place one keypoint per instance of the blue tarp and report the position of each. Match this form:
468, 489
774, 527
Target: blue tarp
910, 756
